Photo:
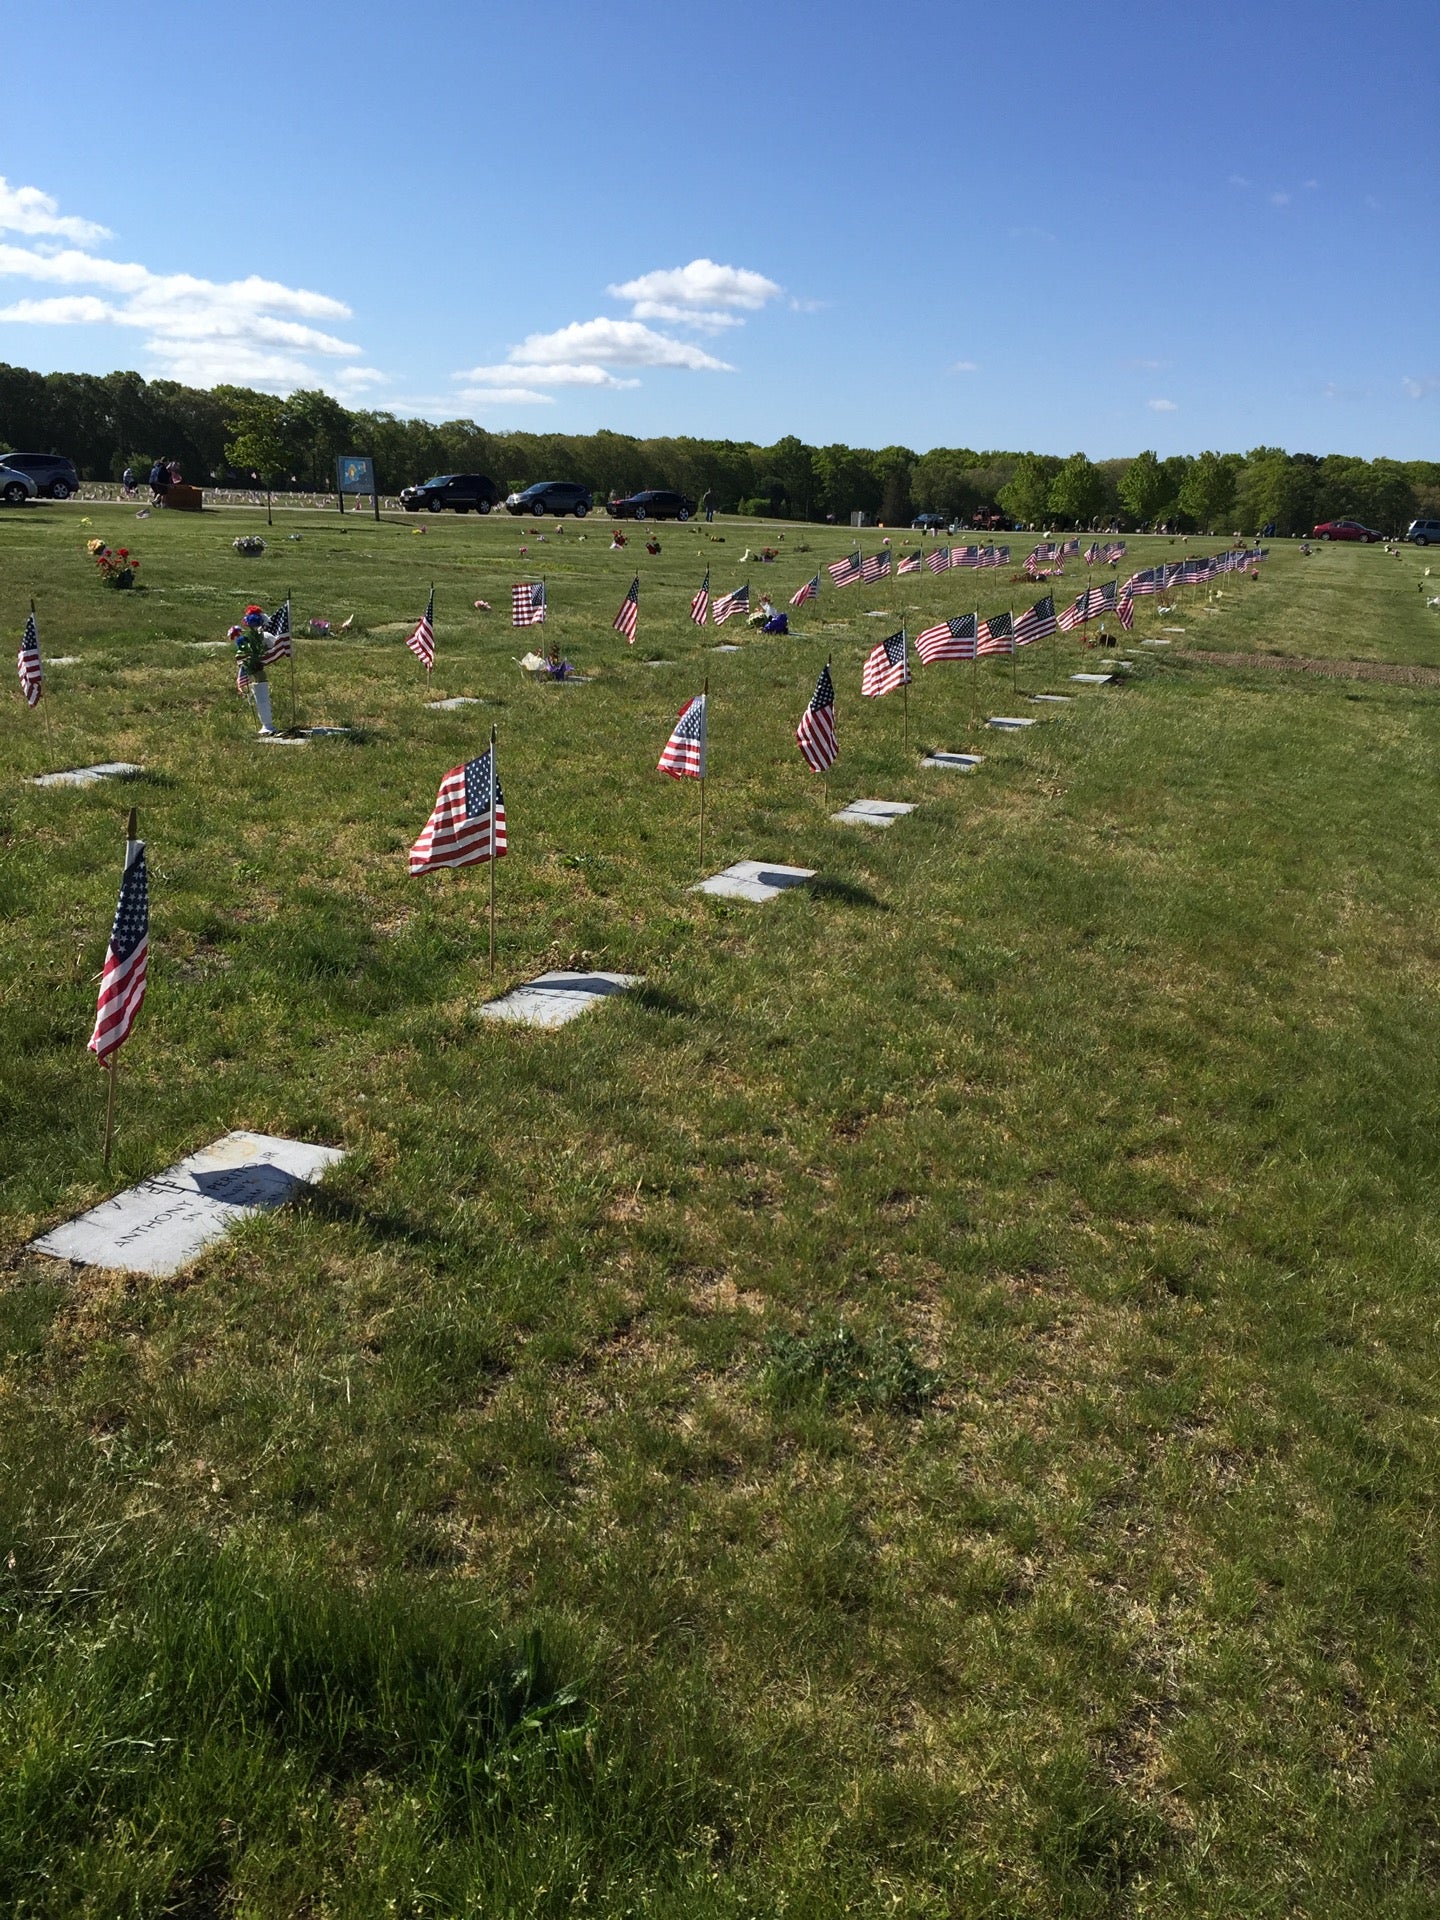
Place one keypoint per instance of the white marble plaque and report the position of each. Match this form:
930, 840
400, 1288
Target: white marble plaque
756, 880
448, 706
164, 1223
1157, 642
728, 647
872, 813
1092, 679
959, 762
1052, 699
1008, 722
65, 660
553, 998
87, 776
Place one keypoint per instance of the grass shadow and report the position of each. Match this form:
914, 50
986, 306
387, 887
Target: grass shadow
847, 892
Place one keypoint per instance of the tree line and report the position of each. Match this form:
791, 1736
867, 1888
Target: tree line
234, 436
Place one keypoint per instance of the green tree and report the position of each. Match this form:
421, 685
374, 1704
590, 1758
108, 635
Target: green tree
1143, 488
257, 439
1026, 496
317, 430
1207, 495
1076, 493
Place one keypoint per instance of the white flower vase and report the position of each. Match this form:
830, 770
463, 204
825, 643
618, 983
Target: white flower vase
261, 691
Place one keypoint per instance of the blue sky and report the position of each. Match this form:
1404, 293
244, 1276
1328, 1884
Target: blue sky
1050, 226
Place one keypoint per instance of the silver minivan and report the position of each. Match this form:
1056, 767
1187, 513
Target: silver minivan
1422, 532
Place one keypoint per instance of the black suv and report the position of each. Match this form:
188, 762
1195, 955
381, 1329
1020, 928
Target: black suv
53, 474
654, 504
552, 496
462, 491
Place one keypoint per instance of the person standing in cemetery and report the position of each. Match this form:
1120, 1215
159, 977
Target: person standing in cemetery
159, 483
708, 503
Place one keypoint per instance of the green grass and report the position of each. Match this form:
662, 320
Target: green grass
928, 1407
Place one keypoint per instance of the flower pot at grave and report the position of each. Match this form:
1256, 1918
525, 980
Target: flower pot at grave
123, 579
261, 691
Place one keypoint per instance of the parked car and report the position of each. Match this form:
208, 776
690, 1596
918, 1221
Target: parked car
462, 491
15, 487
1423, 532
54, 476
929, 523
552, 496
1346, 530
654, 504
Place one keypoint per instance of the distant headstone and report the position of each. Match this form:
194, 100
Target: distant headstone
958, 762
1052, 699
756, 880
728, 647
65, 660
87, 776
553, 998
1157, 642
872, 813
164, 1223
448, 706
1093, 679
1008, 723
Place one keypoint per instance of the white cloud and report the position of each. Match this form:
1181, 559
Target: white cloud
562, 374
966, 366
1238, 180
28, 210
1162, 406
616, 343
252, 331
1279, 199
357, 379
482, 397
1417, 389
704, 294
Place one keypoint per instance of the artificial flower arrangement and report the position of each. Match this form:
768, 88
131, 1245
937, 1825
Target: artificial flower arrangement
249, 639
118, 566
248, 543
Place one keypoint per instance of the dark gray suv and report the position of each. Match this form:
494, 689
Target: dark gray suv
54, 476
1421, 533
552, 496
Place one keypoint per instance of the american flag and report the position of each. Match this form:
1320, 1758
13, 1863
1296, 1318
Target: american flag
810, 591
1075, 614
684, 755
845, 572
1115, 551
1002, 556
1149, 580
1194, 572
887, 668
816, 731
911, 563
467, 822
1092, 554
728, 603
28, 661
1102, 599
625, 619
939, 560
527, 603
996, 635
1068, 546
989, 557
951, 640
1038, 624
422, 641
965, 556
1040, 554
1125, 607
700, 605
277, 635
877, 567
122, 984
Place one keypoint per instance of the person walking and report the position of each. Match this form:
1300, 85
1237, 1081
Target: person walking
708, 503
159, 482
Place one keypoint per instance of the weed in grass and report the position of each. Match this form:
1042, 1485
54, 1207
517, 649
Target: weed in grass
879, 1374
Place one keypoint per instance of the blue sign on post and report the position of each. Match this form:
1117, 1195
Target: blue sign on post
356, 474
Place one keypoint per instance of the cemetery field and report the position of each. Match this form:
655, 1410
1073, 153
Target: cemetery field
925, 1406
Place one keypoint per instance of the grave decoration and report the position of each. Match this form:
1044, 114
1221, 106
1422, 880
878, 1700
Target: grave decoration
249, 544
118, 566
466, 825
251, 645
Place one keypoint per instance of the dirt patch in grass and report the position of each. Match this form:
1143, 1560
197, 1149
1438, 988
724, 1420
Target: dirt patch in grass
1332, 669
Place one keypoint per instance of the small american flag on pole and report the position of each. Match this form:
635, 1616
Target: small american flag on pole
467, 822
888, 667
527, 603
1125, 607
816, 731
728, 603
951, 640
1115, 551
1075, 614
911, 563
700, 605
1038, 624
32, 675
122, 984
810, 591
845, 572
422, 641
996, 635
278, 645
625, 619
684, 755
939, 560
965, 556
877, 567
1092, 554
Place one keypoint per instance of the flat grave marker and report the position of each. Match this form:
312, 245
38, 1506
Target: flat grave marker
552, 999
1052, 699
88, 776
1093, 679
1009, 722
65, 660
959, 762
757, 880
456, 700
872, 813
728, 647
167, 1221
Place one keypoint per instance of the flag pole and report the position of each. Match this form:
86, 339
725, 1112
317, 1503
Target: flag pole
905, 683
705, 696
494, 789
1014, 654
290, 622
132, 833
49, 737
825, 770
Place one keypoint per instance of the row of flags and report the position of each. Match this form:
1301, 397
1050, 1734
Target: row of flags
856, 567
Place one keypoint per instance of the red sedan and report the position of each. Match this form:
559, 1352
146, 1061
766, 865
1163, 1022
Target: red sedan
1346, 530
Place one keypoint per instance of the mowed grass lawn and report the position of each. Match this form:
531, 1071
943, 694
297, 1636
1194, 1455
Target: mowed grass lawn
928, 1407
